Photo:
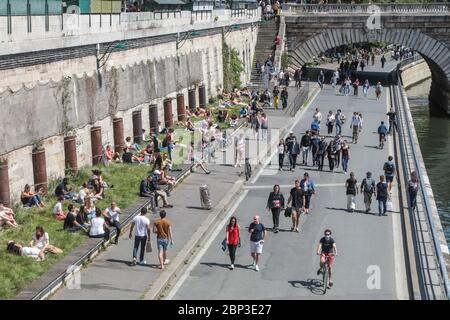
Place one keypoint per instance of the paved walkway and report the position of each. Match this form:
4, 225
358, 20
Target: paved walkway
370, 264
389, 65
110, 275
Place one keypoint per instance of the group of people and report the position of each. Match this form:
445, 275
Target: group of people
347, 84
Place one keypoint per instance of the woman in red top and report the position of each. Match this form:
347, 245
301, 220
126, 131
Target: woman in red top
233, 235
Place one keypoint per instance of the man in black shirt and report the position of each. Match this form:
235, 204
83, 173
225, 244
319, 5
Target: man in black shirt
64, 190
127, 156
327, 248
305, 143
297, 196
392, 119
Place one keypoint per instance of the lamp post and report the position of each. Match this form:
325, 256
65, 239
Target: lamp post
101, 60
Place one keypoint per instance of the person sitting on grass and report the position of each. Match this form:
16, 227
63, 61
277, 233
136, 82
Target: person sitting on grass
88, 209
233, 121
71, 224
127, 156
200, 112
84, 193
41, 241
189, 125
20, 250
243, 113
63, 189
158, 160
111, 155
99, 229
99, 190
7, 217
58, 212
30, 199
222, 116
132, 146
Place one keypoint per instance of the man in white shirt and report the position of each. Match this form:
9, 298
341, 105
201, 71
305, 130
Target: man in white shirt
141, 235
356, 124
112, 218
317, 116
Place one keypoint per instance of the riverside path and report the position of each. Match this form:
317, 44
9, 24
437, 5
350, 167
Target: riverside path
370, 262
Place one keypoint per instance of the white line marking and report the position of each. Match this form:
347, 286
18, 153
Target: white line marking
206, 245
399, 258
292, 185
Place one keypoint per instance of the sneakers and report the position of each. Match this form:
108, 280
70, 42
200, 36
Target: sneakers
254, 263
275, 230
296, 230
256, 268
167, 261
142, 263
231, 266
292, 229
319, 272
134, 262
330, 284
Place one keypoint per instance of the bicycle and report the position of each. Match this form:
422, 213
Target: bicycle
325, 274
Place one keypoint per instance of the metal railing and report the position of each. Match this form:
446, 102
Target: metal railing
442, 8
410, 151
410, 60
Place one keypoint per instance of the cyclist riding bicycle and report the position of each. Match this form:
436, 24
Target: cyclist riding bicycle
382, 131
327, 248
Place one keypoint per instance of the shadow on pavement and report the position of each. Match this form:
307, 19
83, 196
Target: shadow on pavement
197, 208
373, 147
313, 285
128, 263
343, 209
225, 265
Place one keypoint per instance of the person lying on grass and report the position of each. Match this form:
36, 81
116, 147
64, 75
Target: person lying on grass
7, 217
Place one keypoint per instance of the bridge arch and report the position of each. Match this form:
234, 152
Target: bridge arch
434, 52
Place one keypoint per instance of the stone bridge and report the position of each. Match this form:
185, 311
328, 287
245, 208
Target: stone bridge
312, 29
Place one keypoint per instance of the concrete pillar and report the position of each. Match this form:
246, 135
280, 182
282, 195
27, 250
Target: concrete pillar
191, 100
96, 145
39, 169
70, 154
137, 126
202, 96
181, 108
168, 118
153, 117
5, 195
119, 138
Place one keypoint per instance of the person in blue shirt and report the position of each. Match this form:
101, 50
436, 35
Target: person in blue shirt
382, 131
309, 188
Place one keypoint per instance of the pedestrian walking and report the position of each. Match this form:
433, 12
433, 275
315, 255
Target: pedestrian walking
163, 230
345, 150
298, 78
368, 189
392, 120
362, 64
366, 87
321, 153
239, 145
141, 235
308, 187
330, 151
281, 151
294, 151
264, 125
297, 199
351, 186
339, 122
315, 141
337, 149
255, 125
335, 78
355, 125
331, 119
275, 203
276, 97
389, 172
355, 87
306, 144
258, 235
382, 196
284, 98
321, 79
383, 61
413, 188
378, 90
317, 116
233, 239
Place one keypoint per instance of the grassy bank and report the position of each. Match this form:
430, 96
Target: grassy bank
17, 272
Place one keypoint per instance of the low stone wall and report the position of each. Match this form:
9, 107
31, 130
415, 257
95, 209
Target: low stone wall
414, 73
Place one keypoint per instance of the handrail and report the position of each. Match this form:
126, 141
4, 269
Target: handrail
399, 101
368, 8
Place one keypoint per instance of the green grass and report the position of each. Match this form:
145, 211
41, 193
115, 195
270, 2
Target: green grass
17, 272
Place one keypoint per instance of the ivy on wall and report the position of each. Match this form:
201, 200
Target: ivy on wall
285, 60
232, 67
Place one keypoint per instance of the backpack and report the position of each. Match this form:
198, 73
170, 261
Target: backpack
314, 126
389, 168
368, 185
